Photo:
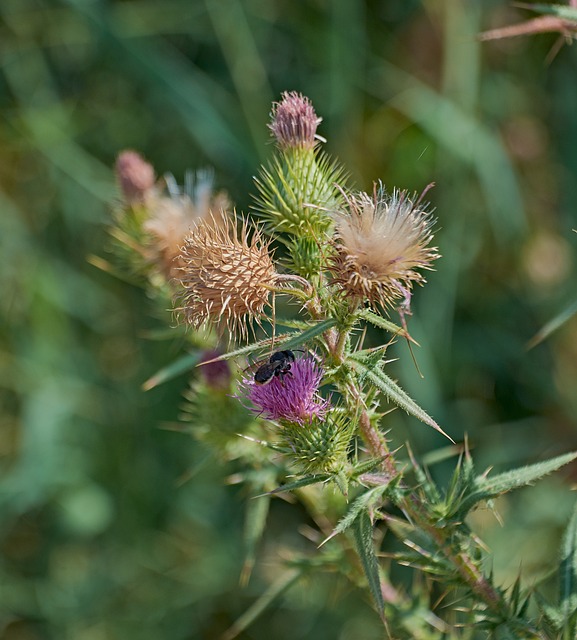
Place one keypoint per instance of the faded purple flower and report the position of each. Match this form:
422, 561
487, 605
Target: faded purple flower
216, 373
293, 398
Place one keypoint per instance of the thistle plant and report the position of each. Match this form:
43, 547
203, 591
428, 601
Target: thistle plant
303, 408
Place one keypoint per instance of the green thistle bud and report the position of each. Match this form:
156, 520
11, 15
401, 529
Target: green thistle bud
320, 446
297, 192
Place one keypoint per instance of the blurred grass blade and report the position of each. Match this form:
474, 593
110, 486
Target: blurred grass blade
279, 587
568, 572
392, 390
553, 325
254, 524
180, 365
466, 137
363, 531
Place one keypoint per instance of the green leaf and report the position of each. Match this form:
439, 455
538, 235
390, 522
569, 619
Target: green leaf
568, 572
415, 539
363, 532
283, 584
553, 325
392, 390
486, 488
180, 365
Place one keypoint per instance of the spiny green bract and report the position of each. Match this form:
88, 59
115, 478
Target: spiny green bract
297, 193
216, 418
321, 446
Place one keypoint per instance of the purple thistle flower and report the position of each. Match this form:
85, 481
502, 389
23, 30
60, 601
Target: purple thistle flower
293, 398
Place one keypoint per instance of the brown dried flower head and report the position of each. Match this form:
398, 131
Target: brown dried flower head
226, 277
135, 176
380, 242
171, 217
294, 121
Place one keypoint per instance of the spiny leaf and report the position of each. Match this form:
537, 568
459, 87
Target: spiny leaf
364, 466
301, 338
486, 488
568, 571
301, 482
382, 323
392, 390
361, 504
244, 351
363, 531
286, 341
423, 479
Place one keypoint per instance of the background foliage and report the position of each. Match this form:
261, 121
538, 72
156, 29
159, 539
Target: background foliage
112, 527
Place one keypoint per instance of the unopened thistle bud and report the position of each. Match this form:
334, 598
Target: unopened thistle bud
297, 189
135, 177
292, 397
215, 374
226, 277
294, 121
380, 242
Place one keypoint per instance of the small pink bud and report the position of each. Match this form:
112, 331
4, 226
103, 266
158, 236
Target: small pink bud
135, 176
294, 121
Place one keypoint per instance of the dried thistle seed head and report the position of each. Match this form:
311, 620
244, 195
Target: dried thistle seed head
169, 222
380, 242
172, 216
294, 121
225, 276
135, 177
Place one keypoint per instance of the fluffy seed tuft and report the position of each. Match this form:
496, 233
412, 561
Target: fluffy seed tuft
380, 242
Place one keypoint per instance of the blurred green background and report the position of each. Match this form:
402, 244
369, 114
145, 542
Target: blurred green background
100, 536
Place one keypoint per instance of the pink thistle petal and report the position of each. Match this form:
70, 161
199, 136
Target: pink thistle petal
295, 398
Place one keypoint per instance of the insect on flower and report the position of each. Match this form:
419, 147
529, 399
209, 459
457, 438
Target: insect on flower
279, 365
297, 401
